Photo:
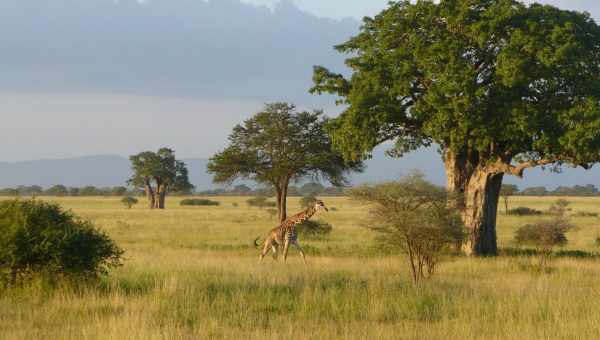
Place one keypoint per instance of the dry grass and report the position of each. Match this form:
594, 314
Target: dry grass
191, 273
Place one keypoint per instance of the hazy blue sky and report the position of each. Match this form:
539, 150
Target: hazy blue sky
72, 85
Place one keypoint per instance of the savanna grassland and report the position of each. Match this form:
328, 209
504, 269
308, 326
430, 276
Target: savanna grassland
192, 273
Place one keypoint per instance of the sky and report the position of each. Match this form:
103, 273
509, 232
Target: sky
54, 103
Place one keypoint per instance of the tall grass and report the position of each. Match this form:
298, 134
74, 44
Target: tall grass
191, 273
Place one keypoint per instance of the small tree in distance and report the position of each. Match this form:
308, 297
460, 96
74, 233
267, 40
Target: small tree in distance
159, 173
506, 192
129, 201
280, 145
414, 215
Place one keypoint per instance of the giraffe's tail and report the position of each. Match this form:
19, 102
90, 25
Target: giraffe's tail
256, 244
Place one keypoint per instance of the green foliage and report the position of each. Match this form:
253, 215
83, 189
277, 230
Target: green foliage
42, 238
414, 215
524, 211
560, 207
546, 234
118, 191
57, 190
312, 188
129, 201
260, 202
279, 145
314, 229
499, 79
198, 202
159, 173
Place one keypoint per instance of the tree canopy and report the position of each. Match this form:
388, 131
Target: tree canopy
500, 87
279, 145
159, 173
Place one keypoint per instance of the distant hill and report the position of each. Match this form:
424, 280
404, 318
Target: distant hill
112, 170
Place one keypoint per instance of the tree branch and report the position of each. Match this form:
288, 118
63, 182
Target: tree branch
519, 169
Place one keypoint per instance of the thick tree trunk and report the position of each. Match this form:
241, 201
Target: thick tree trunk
282, 201
162, 195
150, 196
478, 192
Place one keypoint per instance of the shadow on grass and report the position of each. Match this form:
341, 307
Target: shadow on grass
577, 254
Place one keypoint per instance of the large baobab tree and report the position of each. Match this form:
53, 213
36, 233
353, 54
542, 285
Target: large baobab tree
498, 85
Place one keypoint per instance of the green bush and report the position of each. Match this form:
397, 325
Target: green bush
524, 211
129, 201
544, 236
42, 238
314, 229
260, 202
198, 202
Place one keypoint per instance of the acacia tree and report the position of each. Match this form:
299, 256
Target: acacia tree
159, 173
506, 191
280, 145
499, 86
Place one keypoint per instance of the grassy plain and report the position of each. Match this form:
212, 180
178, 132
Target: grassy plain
191, 273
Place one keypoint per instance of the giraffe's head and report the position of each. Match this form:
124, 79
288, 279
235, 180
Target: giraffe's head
319, 205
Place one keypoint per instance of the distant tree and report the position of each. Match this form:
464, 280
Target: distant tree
560, 207
414, 215
535, 191
260, 202
499, 86
90, 191
242, 189
506, 192
118, 191
129, 201
74, 192
312, 188
159, 173
57, 190
334, 191
280, 145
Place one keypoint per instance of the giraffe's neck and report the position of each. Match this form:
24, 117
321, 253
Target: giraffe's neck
299, 218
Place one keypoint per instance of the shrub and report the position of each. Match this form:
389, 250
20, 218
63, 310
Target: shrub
260, 202
414, 215
129, 201
544, 236
311, 228
198, 202
524, 211
560, 207
42, 238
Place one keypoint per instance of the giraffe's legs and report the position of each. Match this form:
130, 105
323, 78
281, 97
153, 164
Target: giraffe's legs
274, 248
265, 250
297, 245
285, 250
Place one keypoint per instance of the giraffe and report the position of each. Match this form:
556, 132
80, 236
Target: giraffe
286, 235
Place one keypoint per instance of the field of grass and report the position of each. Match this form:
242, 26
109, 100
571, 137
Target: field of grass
192, 273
